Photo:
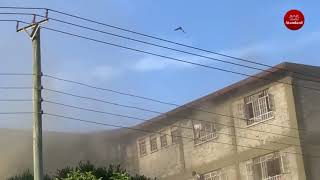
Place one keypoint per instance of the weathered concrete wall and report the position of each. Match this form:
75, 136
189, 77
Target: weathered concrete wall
231, 171
269, 131
59, 150
186, 156
165, 161
277, 134
200, 156
308, 111
294, 163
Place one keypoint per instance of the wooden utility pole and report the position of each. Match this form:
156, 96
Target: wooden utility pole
36, 98
37, 115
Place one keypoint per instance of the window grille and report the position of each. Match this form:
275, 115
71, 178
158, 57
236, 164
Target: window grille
163, 139
142, 147
203, 131
175, 135
215, 175
259, 107
268, 167
153, 143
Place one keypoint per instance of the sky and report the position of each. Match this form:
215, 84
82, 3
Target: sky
247, 29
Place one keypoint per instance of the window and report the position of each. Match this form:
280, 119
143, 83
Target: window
163, 139
142, 147
175, 135
268, 167
259, 107
215, 175
203, 131
153, 143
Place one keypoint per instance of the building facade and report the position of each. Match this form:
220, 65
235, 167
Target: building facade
262, 128
265, 127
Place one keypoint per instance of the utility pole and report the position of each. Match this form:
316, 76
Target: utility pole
36, 103
36, 97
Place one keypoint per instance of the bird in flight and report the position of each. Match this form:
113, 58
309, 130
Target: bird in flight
180, 29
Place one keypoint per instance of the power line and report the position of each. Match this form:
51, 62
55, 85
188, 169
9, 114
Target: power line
169, 48
15, 7
102, 101
173, 42
15, 100
16, 13
167, 124
19, 13
161, 39
153, 111
109, 90
145, 120
145, 98
161, 46
154, 132
12, 87
193, 139
127, 47
230, 144
4, 113
8, 20
142, 51
16, 74
178, 60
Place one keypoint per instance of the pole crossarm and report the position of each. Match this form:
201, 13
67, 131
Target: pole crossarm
34, 26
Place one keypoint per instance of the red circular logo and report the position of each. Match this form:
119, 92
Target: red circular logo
294, 19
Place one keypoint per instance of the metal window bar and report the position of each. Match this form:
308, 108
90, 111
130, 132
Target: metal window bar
142, 147
263, 163
174, 136
277, 177
153, 143
214, 175
260, 106
163, 140
205, 132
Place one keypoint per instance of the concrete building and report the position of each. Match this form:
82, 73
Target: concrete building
262, 128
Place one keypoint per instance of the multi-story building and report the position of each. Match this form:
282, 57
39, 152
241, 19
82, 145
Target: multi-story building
265, 127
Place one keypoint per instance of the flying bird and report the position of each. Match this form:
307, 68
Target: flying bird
180, 29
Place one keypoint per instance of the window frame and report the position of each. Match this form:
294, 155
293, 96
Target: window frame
263, 164
140, 142
220, 174
204, 135
174, 138
259, 107
163, 135
153, 141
